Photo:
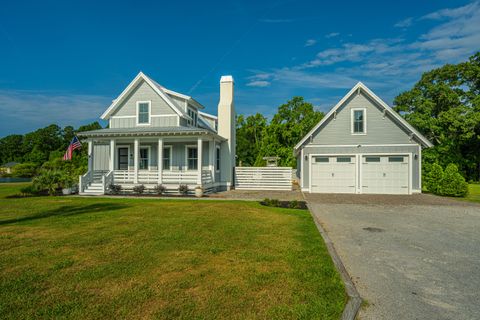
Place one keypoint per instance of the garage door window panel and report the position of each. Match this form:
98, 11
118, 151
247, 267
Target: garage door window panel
321, 159
396, 159
344, 159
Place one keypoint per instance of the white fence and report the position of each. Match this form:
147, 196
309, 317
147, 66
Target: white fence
263, 178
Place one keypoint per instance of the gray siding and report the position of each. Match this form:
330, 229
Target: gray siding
101, 157
169, 121
414, 149
380, 129
143, 92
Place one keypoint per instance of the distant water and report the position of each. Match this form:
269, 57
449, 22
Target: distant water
9, 179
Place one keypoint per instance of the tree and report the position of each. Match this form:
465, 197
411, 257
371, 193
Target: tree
445, 106
249, 137
9, 150
289, 125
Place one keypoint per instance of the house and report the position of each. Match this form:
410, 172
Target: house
7, 167
361, 146
158, 136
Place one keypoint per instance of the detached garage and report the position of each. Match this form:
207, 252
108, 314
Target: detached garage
361, 146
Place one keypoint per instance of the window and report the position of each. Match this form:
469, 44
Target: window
395, 159
372, 159
167, 156
321, 159
344, 159
358, 121
144, 158
143, 112
192, 158
217, 159
192, 114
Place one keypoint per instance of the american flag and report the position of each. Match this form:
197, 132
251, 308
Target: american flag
75, 144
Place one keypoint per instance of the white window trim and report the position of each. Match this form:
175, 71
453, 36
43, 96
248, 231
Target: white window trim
149, 113
352, 112
118, 146
216, 158
193, 146
149, 158
170, 153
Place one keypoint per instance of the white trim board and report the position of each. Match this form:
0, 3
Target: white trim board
360, 86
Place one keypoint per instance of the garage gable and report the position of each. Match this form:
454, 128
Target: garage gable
362, 118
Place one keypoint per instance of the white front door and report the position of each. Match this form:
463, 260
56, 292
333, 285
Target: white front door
333, 174
385, 174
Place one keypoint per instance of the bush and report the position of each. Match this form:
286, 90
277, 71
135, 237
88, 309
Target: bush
24, 170
183, 189
48, 180
293, 204
159, 189
114, 188
29, 190
453, 183
139, 189
433, 178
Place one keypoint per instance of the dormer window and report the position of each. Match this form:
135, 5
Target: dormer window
359, 121
143, 112
192, 114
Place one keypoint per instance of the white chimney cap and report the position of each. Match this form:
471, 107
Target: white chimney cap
226, 79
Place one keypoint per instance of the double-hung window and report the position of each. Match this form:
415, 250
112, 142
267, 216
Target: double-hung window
359, 121
167, 156
192, 158
192, 114
217, 158
144, 158
143, 112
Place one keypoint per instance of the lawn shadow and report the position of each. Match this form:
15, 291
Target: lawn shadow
69, 210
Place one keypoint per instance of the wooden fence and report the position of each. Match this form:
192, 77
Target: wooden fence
263, 178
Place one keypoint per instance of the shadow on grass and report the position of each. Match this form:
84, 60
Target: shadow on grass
65, 211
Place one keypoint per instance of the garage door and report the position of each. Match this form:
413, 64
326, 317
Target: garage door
333, 174
385, 174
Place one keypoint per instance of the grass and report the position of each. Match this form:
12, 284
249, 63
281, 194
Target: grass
473, 192
90, 258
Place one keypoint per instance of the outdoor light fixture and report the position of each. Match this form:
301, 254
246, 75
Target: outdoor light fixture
306, 158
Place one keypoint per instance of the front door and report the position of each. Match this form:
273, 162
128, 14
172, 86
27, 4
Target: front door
122, 158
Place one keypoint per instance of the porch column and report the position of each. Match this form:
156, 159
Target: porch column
211, 157
112, 154
135, 161
160, 160
199, 160
90, 155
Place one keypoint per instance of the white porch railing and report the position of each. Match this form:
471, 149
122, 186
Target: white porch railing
107, 180
168, 177
84, 181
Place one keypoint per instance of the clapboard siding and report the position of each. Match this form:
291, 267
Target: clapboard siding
167, 121
101, 157
263, 178
380, 129
143, 92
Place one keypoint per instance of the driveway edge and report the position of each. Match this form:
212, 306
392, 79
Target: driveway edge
355, 301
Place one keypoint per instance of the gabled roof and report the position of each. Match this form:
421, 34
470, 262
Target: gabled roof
360, 86
155, 86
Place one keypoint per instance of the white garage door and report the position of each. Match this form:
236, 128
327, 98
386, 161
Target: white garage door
385, 174
333, 174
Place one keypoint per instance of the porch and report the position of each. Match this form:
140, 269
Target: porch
151, 161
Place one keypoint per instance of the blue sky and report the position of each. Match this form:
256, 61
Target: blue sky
64, 61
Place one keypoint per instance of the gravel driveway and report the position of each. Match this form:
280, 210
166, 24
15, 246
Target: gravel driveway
411, 257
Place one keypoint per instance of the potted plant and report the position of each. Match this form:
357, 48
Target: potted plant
198, 191
67, 183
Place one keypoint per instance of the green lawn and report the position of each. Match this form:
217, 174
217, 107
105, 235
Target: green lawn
473, 192
91, 258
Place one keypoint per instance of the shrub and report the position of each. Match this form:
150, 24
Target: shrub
159, 189
49, 180
293, 204
453, 183
183, 189
139, 189
29, 190
24, 170
114, 188
433, 178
